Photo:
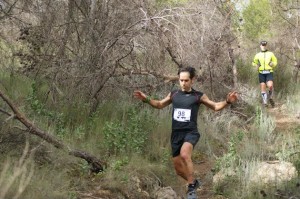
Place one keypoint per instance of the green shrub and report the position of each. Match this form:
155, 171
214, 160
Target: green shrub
231, 158
40, 109
246, 72
128, 135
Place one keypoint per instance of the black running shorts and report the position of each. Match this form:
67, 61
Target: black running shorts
264, 78
179, 137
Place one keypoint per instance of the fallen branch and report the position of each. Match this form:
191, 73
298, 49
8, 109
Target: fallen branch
95, 163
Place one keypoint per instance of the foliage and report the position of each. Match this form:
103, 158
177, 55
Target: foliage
118, 164
40, 109
283, 81
129, 135
246, 72
257, 19
231, 158
97, 54
290, 148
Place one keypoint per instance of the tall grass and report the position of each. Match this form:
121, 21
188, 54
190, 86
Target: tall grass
14, 85
265, 127
293, 103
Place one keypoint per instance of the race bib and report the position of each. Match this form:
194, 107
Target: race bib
182, 115
265, 72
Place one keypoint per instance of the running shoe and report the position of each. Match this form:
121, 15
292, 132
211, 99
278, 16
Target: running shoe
191, 193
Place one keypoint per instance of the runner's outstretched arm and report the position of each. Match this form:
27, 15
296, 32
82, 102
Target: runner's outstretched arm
216, 106
159, 104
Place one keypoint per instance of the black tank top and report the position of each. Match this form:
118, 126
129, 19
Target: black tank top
185, 109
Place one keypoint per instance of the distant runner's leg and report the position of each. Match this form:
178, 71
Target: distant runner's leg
264, 94
263, 87
271, 93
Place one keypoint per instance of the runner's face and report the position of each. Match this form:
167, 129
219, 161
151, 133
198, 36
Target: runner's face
263, 48
185, 81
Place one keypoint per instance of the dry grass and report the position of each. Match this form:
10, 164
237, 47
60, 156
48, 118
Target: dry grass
20, 172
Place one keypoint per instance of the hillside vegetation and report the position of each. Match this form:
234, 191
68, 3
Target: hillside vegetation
70, 68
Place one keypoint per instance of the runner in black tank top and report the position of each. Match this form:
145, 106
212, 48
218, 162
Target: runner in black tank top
185, 109
185, 133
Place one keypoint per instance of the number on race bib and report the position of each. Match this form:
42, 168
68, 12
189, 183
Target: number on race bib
182, 115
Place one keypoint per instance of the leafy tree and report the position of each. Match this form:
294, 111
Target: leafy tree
257, 17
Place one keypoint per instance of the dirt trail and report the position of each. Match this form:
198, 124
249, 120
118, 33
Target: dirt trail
203, 171
283, 120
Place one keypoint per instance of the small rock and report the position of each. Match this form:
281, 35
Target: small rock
273, 172
165, 193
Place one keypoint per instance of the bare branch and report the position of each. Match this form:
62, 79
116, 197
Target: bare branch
174, 58
5, 112
166, 78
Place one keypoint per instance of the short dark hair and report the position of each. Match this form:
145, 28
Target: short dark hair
263, 43
188, 69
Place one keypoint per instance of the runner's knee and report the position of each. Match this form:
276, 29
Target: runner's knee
186, 156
